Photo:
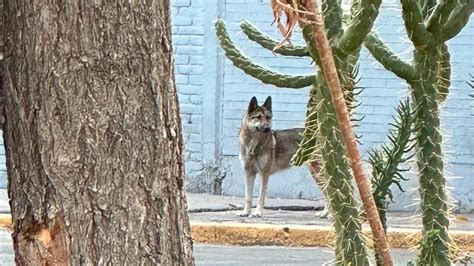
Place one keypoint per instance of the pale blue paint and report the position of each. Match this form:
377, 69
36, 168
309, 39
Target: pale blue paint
226, 90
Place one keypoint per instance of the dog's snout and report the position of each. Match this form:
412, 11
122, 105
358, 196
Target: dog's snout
266, 129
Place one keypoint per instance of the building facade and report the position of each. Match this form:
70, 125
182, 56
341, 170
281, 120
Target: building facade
214, 95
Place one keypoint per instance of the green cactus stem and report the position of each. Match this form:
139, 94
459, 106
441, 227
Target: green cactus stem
385, 162
444, 74
363, 14
350, 243
248, 66
332, 16
416, 30
266, 42
382, 53
429, 157
428, 78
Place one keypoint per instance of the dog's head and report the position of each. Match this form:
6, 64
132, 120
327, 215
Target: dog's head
259, 118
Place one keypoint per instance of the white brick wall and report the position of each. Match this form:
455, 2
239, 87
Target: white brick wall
188, 44
383, 90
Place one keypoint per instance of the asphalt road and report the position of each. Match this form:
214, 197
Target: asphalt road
237, 255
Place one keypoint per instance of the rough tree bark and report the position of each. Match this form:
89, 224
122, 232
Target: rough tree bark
93, 137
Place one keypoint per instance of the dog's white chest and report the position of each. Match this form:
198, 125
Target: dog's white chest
259, 163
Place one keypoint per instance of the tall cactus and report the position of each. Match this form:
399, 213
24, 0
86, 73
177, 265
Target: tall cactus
322, 138
429, 25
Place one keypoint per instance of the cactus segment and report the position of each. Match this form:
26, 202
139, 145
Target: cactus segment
388, 59
350, 244
429, 80
432, 188
266, 42
444, 74
364, 13
257, 71
439, 16
457, 20
307, 150
385, 160
412, 16
332, 15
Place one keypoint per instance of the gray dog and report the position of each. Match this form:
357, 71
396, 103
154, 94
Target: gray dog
264, 151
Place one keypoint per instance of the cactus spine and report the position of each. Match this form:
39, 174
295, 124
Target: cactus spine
429, 25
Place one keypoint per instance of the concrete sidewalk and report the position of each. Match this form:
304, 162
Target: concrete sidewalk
286, 222
214, 220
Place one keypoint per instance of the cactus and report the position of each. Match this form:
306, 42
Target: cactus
268, 43
322, 138
386, 159
248, 66
429, 25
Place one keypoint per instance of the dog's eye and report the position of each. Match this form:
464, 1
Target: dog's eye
269, 117
259, 117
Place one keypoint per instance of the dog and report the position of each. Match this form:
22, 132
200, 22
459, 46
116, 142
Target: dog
264, 151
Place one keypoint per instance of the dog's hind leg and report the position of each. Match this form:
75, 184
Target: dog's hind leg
319, 179
261, 197
249, 182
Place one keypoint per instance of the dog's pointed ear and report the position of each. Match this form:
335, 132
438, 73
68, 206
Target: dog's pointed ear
268, 103
253, 104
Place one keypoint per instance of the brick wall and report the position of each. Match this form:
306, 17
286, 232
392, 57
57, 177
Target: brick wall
230, 90
188, 44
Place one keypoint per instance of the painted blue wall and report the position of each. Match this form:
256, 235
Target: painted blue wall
214, 95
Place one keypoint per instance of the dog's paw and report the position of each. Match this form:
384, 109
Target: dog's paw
256, 215
243, 214
324, 214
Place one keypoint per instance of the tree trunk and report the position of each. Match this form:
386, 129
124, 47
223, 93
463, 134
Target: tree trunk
93, 137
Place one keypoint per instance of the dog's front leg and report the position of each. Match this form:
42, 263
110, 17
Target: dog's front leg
261, 196
249, 182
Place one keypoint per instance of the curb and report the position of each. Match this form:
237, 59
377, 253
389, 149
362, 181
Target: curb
303, 235
5, 220
291, 235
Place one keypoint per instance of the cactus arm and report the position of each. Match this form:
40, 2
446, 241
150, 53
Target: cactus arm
388, 59
332, 14
266, 42
385, 160
412, 16
359, 26
439, 16
255, 70
457, 20
444, 74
